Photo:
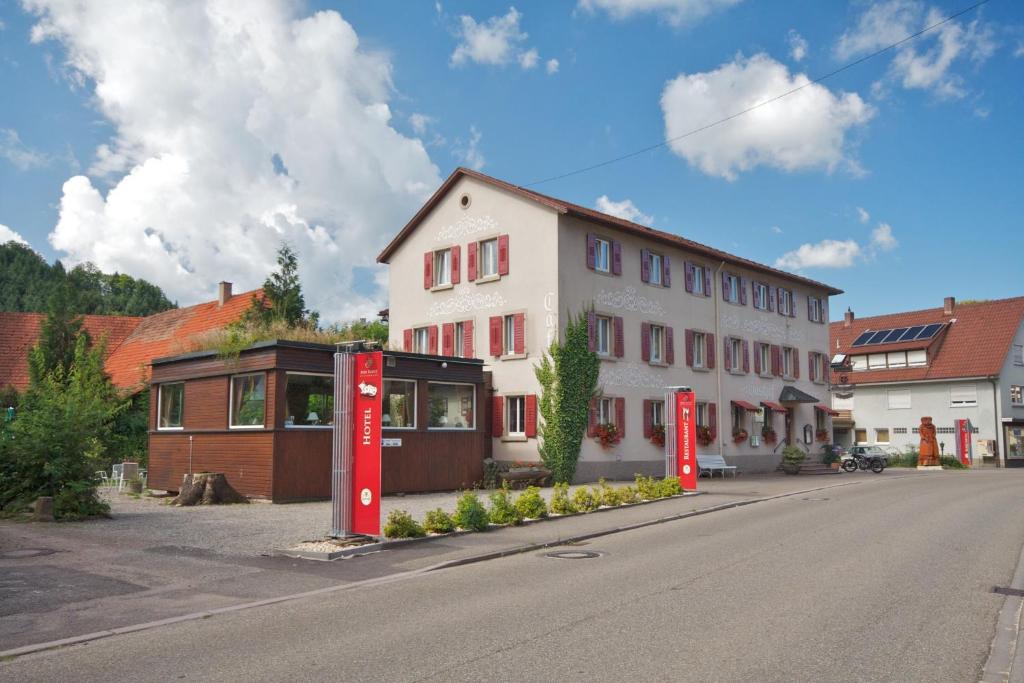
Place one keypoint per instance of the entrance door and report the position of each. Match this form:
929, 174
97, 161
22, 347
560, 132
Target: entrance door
789, 426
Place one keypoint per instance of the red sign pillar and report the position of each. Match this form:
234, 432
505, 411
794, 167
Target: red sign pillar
686, 438
366, 415
964, 431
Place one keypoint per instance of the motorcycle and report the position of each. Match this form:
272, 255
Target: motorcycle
857, 461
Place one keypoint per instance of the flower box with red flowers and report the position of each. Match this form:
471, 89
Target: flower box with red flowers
740, 435
658, 435
769, 435
704, 435
822, 434
607, 434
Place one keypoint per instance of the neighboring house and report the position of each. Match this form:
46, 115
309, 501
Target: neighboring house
959, 361
488, 269
132, 343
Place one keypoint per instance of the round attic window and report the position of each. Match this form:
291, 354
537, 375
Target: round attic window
465, 200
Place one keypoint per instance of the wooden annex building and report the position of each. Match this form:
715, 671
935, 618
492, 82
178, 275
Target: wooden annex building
264, 419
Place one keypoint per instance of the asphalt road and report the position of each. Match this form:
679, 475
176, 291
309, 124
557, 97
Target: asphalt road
888, 581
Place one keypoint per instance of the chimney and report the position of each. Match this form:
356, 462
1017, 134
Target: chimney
223, 293
848, 317
948, 304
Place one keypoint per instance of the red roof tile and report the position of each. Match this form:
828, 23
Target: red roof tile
975, 344
575, 209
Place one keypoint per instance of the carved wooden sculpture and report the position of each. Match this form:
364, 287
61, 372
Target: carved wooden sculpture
929, 454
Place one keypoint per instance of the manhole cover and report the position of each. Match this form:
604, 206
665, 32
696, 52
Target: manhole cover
1006, 590
573, 555
20, 553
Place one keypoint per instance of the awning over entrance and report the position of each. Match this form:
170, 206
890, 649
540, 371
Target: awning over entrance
825, 409
745, 405
773, 406
795, 395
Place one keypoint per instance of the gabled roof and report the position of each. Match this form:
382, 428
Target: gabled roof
564, 207
974, 344
20, 331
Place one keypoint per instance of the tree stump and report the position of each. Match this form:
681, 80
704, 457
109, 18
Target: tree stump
207, 488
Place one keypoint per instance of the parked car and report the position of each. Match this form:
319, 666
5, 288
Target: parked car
871, 452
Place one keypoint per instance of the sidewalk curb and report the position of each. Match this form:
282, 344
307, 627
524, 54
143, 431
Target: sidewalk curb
1004, 656
194, 616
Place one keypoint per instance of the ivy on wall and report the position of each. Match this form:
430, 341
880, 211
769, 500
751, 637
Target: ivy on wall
568, 375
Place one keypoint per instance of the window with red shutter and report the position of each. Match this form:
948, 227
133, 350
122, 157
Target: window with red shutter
407, 339
744, 286
616, 258
531, 416
645, 266
620, 415
591, 250
688, 276
771, 299
710, 362
592, 330
670, 346
432, 340
503, 255
620, 337
497, 416
757, 358
448, 339
776, 361
746, 356
666, 271
688, 341
645, 341
648, 421
727, 353
713, 420
428, 270
592, 418
796, 364
467, 339
456, 264
519, 322
494, 324
471, 261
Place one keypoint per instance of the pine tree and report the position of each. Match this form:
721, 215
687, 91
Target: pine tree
58, 334
283, 292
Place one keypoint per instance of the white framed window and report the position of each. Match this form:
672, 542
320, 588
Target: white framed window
963, 396
785, 302
764, 352
515, 415
657, 344
248, 401
698, 279
897, 359
734, 288
761, 296
309, 399
859, 362
170, 405
789, 361
452, 406
814, 309
876, 361
602, 255
657, 413
1018, 354
899, 399
442, 267
603, 335
703, 418
398, 404
655, 268
509, 334
699, 350
1016, 395
736, 354
421, 340
917, 358
460, 340
882, 435
487, 255
606, 411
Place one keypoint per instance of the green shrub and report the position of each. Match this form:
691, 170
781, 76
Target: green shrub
793, 455
609, 495
438, 522
669, 486
502, 510
530, 504
903, 460
561, 504
951, 463
584, 500
491, 470
400, 524
628, 495
647, 487
470, 513
79, 500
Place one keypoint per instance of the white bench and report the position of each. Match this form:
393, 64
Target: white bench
710, 464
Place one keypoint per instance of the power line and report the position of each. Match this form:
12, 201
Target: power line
751, 108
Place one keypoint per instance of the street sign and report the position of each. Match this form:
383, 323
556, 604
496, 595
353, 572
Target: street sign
366, 414
685, 410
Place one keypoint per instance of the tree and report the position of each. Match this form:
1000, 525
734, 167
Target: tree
568, 375
58, 335
282, 292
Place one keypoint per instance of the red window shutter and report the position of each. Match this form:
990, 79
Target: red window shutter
710, 351
744, 286
757, 358
713, 420
811, 358
471, 261
592, 418
746, 356
616, 258
796, 364
428, 270
620, 337
670, 346
666, 271
648, 422
432, 340
456, 264
620, 415
519, 333
645, 266
407, 340
688, 337
591, 251
810, 300
592, 330
726, 353
497, 416
467, 339
792, 303
503, 255
688, 276
776, 354
771, 299
531, 415
725, 286
707, 282
645, 341
824, 310
495, 335
448, 339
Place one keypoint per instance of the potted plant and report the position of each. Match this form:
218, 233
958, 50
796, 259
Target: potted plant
704, 435
135, 485
792, 458
658, 435
740, 435
768, 434
607, 434
822, 434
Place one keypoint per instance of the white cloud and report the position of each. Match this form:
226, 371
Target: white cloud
16, 152
927, 62
777, 230
1019, 50
202, 98
625, 209
797, 46
496, 41
419, 122
675, 12
863, 215
8, 235
552, 66
882, 238
469, 153
824, 254
802, 131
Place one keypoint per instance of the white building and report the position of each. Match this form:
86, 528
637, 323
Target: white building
489, 269
960, 361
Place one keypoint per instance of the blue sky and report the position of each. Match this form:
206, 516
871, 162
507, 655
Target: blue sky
182, 142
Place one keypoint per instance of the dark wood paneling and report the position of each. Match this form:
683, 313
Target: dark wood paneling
416, 368
244, 458
302, 464
305, 360
212, 366
206, 403
433, 461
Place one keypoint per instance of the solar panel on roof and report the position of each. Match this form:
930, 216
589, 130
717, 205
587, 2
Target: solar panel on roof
894, 335
877, 337
912, 333
862, 339
929, 331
